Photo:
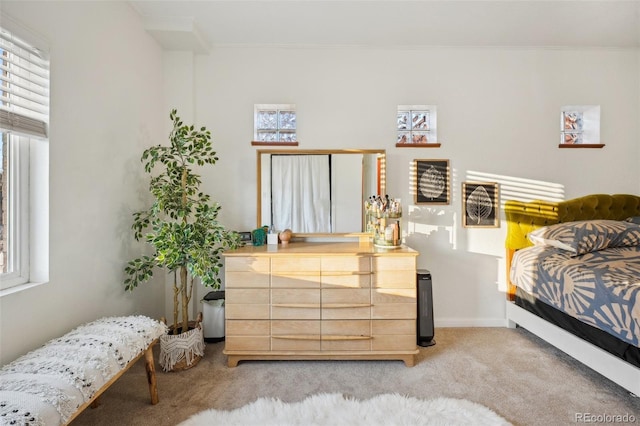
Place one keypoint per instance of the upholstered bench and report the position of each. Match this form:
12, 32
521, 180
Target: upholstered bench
54, 383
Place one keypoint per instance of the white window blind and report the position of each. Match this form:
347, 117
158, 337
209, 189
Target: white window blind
24, 87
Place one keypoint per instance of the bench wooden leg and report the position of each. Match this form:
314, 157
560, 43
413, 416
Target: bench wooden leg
95, 403
151, 374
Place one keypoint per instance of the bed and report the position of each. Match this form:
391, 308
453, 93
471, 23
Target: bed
573, 270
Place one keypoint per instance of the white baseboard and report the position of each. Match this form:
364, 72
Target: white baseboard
469, 322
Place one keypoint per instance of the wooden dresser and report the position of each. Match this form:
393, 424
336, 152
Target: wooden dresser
320, 301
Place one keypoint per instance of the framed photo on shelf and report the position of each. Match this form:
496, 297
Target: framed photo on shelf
432, 182
480, 205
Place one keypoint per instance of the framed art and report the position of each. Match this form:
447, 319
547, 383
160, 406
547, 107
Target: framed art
432, 180
480, 205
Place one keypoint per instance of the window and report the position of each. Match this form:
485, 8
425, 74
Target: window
3, 203
417, 126
580, 127
275, 125
24, 116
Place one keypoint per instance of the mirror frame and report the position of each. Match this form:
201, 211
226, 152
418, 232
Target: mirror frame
259, 152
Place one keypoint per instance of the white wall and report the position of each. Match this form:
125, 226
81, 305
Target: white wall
498, 112
106, 107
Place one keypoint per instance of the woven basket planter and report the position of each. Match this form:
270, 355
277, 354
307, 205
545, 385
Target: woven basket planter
182, 351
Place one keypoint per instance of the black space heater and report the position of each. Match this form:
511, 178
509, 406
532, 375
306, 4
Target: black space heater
425, 308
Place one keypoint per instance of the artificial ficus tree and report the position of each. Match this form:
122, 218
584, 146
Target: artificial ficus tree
181, 224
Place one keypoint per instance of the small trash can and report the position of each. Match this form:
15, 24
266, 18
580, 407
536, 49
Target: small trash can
213, 316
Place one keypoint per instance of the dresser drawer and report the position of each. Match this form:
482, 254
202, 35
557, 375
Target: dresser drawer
295, 272
295, 303
246, 311
295, 343
247, 303
393, 335
393, 327
394, 279
394, 343
394, 311
295, 296
353, 335
346, 304
295, 327
247, 328
345, 279
336, 313
292, 311
246, 280
346, 328
294, 335
345, 264
247, 343
295, 280
345, 296
393, 295
246, 296
393, 263
247, 264
352, 344
295, 264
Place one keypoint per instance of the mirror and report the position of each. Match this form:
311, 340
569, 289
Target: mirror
318, 192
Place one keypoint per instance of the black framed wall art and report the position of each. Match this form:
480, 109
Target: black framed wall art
433, 182
480, 205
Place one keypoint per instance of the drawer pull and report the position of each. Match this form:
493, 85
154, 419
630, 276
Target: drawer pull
295, 273
324, 338
295, 305
346, 305
342, 274
297, 337
324, 305
338, 338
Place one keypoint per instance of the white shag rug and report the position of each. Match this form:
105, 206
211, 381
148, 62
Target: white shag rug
335, 410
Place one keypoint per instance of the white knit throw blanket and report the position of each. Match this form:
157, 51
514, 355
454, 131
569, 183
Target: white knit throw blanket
175, 348
47, 385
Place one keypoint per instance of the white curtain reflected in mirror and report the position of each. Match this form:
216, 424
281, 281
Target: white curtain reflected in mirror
320, 191
301, 193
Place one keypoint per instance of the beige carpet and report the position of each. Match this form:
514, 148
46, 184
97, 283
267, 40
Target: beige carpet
512, 372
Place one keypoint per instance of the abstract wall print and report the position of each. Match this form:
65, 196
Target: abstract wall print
480, 205
432, 182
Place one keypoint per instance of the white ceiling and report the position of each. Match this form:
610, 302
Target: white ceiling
199, 25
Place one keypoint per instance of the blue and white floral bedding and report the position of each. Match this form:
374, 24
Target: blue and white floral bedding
593, 274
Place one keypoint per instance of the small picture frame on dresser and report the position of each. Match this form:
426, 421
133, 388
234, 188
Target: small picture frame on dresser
245, 237
480, 205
